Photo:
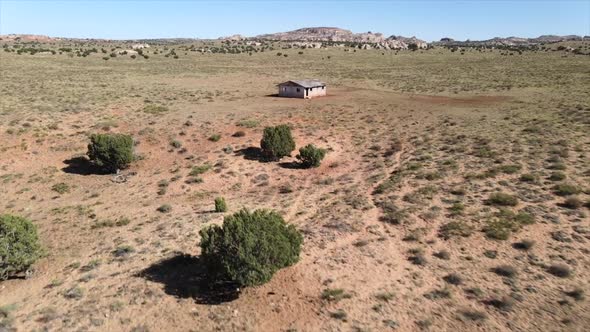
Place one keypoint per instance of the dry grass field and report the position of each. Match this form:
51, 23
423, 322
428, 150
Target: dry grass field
455, 193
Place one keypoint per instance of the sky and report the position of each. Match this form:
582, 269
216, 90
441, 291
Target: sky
428, 20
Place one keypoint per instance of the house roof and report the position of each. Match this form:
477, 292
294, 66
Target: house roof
305, 83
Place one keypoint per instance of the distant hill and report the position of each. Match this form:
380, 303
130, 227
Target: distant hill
28, 38
338, 35
511, 41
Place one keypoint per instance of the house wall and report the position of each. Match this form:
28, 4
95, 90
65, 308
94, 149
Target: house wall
317, 91
291, 91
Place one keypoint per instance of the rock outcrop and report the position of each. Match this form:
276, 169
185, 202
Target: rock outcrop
337, 35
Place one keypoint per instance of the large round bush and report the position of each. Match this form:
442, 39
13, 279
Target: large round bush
250, 247
19, 245
277, 142
111, 152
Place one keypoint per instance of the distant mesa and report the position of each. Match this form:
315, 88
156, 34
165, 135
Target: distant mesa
28, 38
236, 37
314, 37
511, 41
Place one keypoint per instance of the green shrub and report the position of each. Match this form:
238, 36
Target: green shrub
248, 123
155, 109
557, 176
111, 151
61, 188
455, 228
500, 229
502, 199
198, 170
220, 205
507, 222
215, 137
19, 245
311, 156
564, 189
334, 294
250, 247
510, 169
175, 144
529, 177
277, 142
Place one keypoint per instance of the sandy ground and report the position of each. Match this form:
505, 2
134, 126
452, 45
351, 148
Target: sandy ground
82, 283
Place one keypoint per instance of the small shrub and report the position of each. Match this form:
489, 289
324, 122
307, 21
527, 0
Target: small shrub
500, 229
453, 279
557, 176
19, 245
573, 202
215, 138
510, 169
457, 209
503, 304
436, 294
564, 189
335, 294
384, 296
576, 293
418, 259
505, 222
558, 166
198, 170
311, 156
123, 251
443, 254
491, 254
220, 205
61, 188
74, 293
524, 245
248, 123
338, 314
155, 109
502, 199
111, 151
505, 271
239, 133
459, 191
560, 270
529, 177
277, 142
175, 144
165, 208
455, 228
474, 315
250, 247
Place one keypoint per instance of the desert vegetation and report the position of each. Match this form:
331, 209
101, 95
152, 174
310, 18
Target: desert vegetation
431, 189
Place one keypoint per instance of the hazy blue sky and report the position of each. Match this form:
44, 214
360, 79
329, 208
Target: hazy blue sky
430, 20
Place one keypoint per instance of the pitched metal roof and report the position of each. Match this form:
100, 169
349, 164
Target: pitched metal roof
306, 83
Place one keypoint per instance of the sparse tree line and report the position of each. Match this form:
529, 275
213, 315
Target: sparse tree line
247, 249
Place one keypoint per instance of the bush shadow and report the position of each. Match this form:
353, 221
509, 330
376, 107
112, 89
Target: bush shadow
251, 153
185, 276
81, 166
291, 165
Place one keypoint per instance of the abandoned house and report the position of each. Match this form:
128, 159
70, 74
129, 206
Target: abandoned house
302, 89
